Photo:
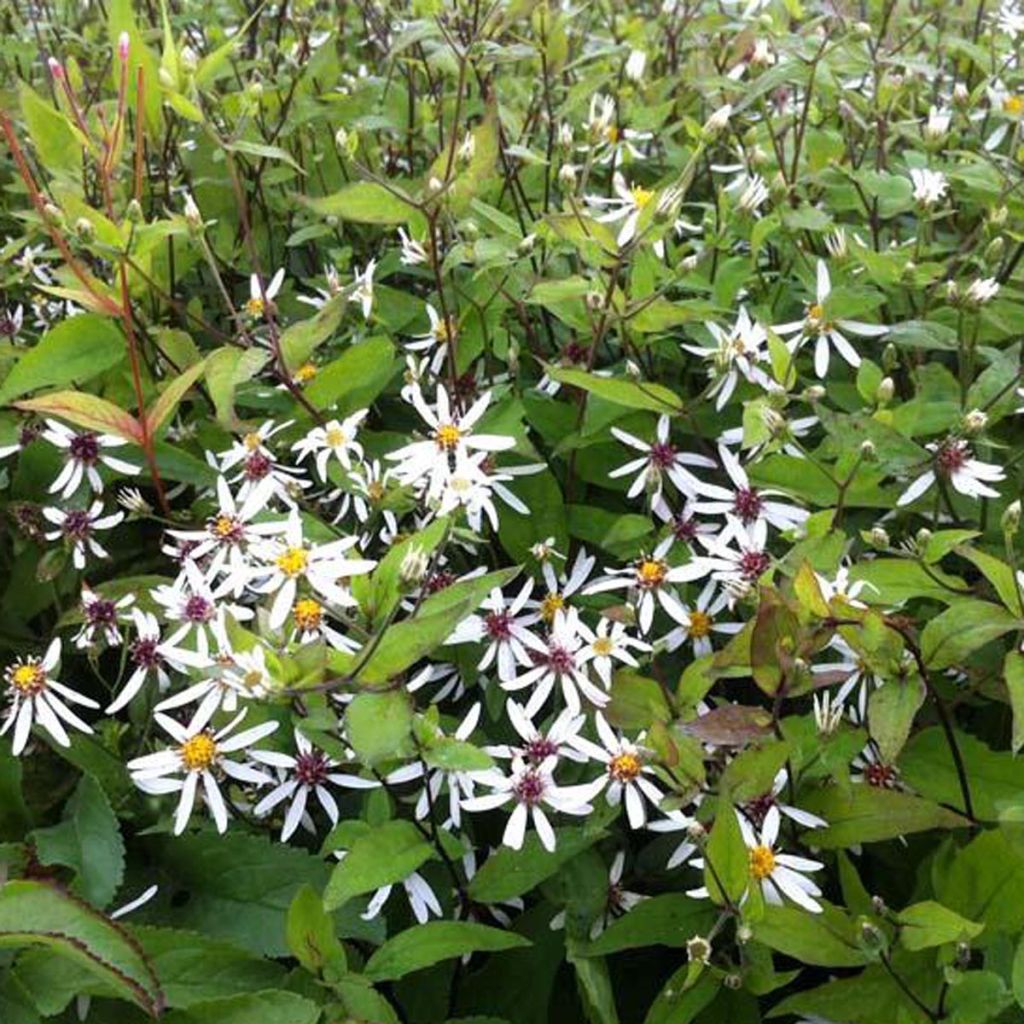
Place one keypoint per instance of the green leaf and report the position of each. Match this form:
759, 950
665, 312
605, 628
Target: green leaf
300, 340
226, 368
827, 939
1017, 976
380, 593
407, 641
979, 996
895, 580
1013, 672
751, 773
453, 755
364, 202
263, 151
998, 573
426, 944
87, 840
866, 814
385, 855
509, 873
310, 931
994, 777
193, 968
35, 914
72, 351
14, 816
727, 863
355, 378
57, 142
88, 411
670, 919
163, 408
891, 711
984, 881
965, 626
270, 1007
236, 887
629, 393
923, 334
928, 924
377, 725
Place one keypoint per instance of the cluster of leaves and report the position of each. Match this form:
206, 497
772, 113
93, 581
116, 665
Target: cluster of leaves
596, 212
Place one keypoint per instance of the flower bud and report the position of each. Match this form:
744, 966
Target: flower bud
193, 217
995, 249
467, 148
56, 68
1011, 518
732, 981
885, 390
595, 301
878, 906
744, 933
814, 393
879, 537
413, 568
698, 950
567, 176
862, 30
890, 357
961, 95
997, 217
633, 371
167, 79
871, 935
565, 135
341, 139
922, 538
53, 214
84, 229
689, 263
123, 44
256, 89
868, 451
527, 245
974, 422
718, 121
133, 212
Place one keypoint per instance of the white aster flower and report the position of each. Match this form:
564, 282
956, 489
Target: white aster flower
660, 459
290, 558
261, 297
77, 526
306, 773
626, 776
337, 438
610, 643
930, 187
531, 787
953, 460
818, 325
199, 757
84, 453
35, 697
779, 874
736, 355
102, 616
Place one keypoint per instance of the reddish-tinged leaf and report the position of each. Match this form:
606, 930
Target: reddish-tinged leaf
88, 411
734, 725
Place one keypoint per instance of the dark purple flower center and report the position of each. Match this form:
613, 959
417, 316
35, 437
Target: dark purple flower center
439, 580
574, 352
529, 788
952, 457
257, 466
143, 652
560, 659
28, 433
8, 325
498, 625
881, 775
76, 524
754, 564
537, 750
100, 612
85, 448
662, 455
198, 609
747, 504
311, 768
757, 809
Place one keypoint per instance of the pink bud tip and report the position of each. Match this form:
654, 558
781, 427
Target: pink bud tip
56, 68
122, 45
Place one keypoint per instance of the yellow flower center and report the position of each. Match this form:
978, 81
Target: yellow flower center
441, 332
550, 605
651, 572
27, 678
305, 373
307, 614
254, 307
641, 196
252, 679
223, 526
611, 134
625, 767
293, 562
447, 436
375, 491
1013, 105
700, 624
816, 317
762, 862
335, 437
603, 646
198, 752
252, 442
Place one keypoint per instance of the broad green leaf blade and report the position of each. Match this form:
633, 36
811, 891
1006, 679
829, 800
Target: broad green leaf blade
364, 202
273, 1006
72, 351
385, 855
426, 944
87, 411
928, 924
630, 393
36, 914
163, 409
827, 939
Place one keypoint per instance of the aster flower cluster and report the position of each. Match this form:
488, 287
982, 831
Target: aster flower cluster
536, 469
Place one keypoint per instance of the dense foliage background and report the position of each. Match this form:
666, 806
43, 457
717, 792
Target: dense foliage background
511, 512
